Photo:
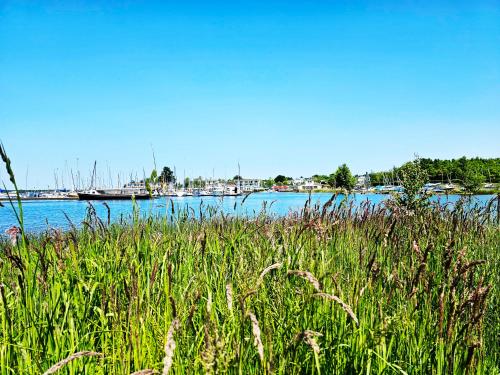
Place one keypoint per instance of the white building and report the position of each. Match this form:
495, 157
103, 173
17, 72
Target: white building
362, 181
309, 185
248, 185
299, 181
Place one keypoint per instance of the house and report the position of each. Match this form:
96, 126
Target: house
248, 185
298, 181
309, 185
362, 181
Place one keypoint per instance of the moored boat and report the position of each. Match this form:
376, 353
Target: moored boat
119, 194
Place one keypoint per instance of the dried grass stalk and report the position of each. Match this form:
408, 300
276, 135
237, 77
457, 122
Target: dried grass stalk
267, 270
145, 372
345, 306
307, 276
170, 347
229, 297
59, 365
209, 303
256, 336
309, 338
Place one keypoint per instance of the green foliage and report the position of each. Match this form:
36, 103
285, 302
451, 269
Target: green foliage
280, 179
267, 183
472, 179
148, 187
453, 170
377, 178
331, 180
343, 178
167, 176
154, 176
391, 301
412, 178
319, 178
19, 211
198, 182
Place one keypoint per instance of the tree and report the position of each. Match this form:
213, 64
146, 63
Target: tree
167, 176
237, 177
413, 178
330, 180
267, 184
376, 178
198, 182
154, 176
319, 178
280, 179
453, 170
344, 178
472, 179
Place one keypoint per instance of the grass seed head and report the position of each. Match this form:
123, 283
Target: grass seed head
309, 338
170, 347
307, 276
229, 297
345, 306
266, 270
59, 365
256, 335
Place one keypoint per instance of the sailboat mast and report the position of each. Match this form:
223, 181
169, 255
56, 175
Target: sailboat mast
92, 179
238, 180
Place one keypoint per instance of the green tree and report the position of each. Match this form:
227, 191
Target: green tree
452, 170
198, 182
330, 180
267, 184
154, 176
344, 178
413, 178
472, 179
319, 178
280, 179
376, 178
153, 179
167, 175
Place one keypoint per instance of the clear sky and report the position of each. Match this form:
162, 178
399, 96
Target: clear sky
282, 87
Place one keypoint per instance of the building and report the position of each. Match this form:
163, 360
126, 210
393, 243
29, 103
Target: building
248, 185
299, 181
362, 181
309, 185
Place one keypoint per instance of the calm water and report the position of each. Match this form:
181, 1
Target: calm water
40, 215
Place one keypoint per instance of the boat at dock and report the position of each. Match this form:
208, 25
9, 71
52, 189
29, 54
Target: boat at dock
113, 194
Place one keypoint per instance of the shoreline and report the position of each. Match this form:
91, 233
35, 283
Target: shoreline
14, 199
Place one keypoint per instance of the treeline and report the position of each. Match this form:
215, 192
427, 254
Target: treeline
454, 170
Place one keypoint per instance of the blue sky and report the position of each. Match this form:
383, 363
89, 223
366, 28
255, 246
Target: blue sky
286, 87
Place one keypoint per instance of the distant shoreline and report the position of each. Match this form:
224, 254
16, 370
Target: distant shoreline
260, 192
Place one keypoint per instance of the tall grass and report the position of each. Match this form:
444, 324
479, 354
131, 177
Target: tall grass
330, 289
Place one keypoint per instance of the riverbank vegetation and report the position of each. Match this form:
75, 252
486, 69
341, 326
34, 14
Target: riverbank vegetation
462, 171
330, 289
399, 288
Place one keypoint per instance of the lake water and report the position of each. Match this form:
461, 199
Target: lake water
41, 215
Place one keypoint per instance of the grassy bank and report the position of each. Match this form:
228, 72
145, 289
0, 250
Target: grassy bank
327, 289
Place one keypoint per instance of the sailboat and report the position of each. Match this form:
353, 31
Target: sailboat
126, 193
